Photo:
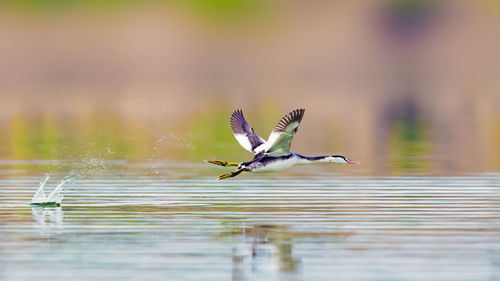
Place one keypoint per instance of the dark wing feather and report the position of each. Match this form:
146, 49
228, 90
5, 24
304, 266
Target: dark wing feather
243, 133
280, 140
294, 116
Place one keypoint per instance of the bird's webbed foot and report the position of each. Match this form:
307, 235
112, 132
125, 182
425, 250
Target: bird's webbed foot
223, 163
233, 174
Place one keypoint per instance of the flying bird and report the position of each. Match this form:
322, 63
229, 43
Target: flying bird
274, 154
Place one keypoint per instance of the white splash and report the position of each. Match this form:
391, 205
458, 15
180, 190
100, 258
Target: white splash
54, 197
39, 196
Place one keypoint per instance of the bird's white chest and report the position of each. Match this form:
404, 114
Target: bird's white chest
276, 165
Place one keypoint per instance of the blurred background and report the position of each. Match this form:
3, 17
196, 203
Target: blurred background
406, 87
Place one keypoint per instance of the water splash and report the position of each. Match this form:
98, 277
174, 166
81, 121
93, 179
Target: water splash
54, 198
88, 166
40, 194
161, 148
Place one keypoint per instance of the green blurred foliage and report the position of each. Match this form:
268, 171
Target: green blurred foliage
219, 14
84, 141
496, 157
410, 147
60, 5
204, 135
19, 136
104, 136
210, 135
46, 138
408, 4
226, 11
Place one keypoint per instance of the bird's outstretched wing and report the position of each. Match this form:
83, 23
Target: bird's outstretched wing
243, 133
281, 137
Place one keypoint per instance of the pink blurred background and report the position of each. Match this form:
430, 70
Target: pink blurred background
403, 86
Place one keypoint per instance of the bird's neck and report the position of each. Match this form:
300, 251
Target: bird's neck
310, 159
313, 159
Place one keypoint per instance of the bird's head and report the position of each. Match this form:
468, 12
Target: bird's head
339, 159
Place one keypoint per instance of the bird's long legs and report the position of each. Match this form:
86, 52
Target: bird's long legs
223, 163
233, 174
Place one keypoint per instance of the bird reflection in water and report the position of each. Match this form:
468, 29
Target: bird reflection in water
48, 218
264, 248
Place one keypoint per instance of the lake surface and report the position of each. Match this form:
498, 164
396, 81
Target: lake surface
122, 225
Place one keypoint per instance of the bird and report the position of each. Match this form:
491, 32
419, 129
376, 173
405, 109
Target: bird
274, 154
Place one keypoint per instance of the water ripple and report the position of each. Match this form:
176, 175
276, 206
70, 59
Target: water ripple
344, 229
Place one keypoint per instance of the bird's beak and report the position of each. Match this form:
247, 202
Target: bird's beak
352, 162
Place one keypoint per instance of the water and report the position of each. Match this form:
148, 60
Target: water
124, 225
